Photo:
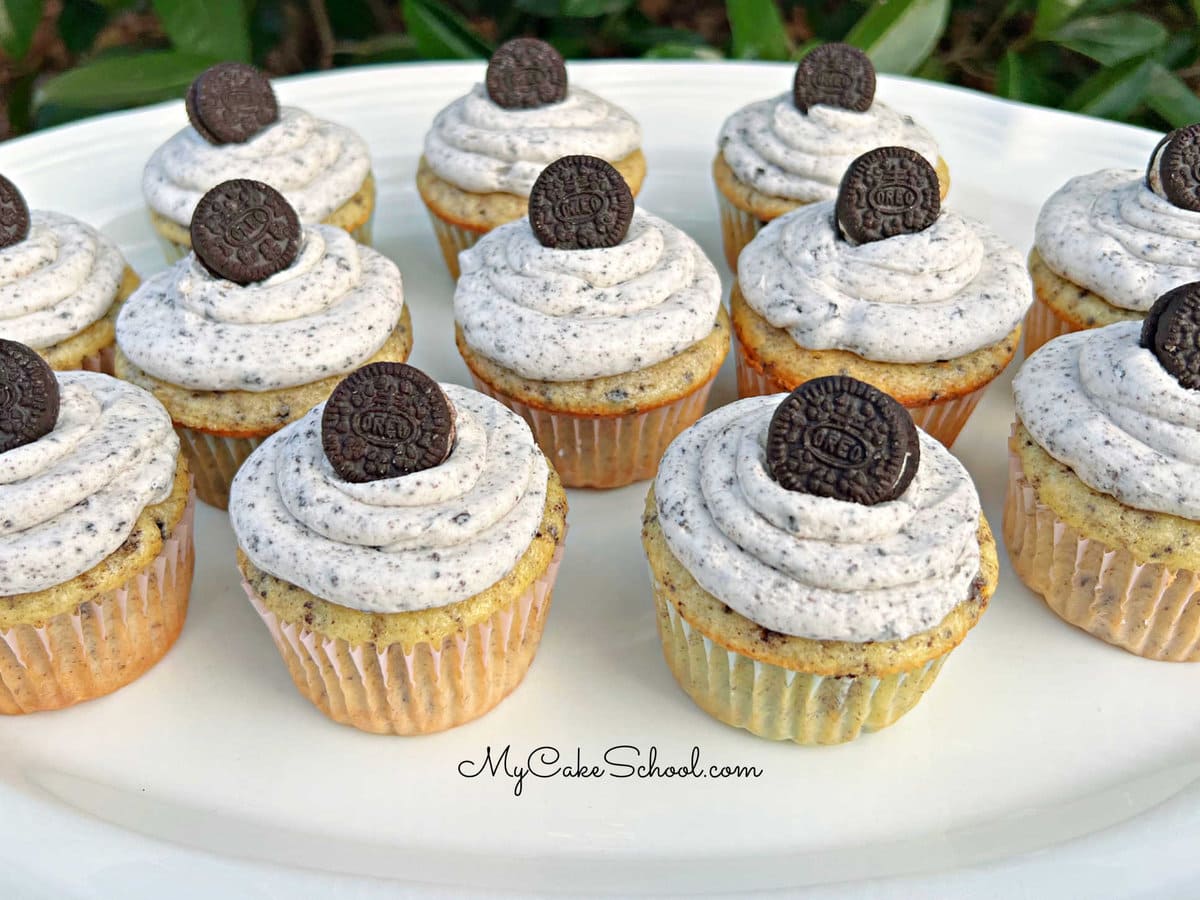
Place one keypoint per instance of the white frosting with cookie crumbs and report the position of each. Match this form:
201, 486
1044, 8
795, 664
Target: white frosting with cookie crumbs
779, 150
417, 541
61, 279
70, 499
1104, 406
479, 146
317, 165
941, 293
325, 314
1114, 235
809, 566
570, 315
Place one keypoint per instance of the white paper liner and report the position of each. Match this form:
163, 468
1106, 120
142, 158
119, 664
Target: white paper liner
453, 239
214, 461
1043, 325
738, 228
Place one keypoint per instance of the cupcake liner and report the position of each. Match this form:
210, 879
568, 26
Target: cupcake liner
943, 420
783, 704
453, 239
605, 451
100, 361
215, 460
391, 690
1149, 609
105, 643
738, 228
174, 252
1042, 325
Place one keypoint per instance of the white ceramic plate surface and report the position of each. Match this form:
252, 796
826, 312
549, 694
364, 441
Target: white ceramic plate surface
1041, 761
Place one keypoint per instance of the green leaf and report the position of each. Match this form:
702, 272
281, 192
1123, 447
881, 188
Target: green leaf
79, 23
683, 51
352, 19
1171, 98
573, 9
899, 34
381, 48
757, 30
441, 33
1114, 92
1052, 14
1019, 77
214, 28
18, 21
119, 82
1112, 38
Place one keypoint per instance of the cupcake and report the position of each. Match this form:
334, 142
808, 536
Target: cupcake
256, 326
815, 558
485, 150
400, 542
885, 286
599, 323
96, 550
1108, 244
1102, 517
779, 154
238, 130
61, 285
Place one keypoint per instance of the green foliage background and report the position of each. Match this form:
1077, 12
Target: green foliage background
1133, 61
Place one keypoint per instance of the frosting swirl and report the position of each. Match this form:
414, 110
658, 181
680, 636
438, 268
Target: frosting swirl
480, 146
71, 498
316, 165
418, 541
1104, 406
324, 315
1115, 236
779, 150
570, 315
811, 566
62, 278
940, 293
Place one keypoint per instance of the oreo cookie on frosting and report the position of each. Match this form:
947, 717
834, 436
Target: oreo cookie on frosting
229, 103
14, 214
386, 420
885, 192
834, 75
1171, 331
28, 396
525, 73
580, 203
1176, 163
245, 231
842, 438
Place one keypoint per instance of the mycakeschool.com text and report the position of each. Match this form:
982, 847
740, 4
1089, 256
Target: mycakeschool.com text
620, 761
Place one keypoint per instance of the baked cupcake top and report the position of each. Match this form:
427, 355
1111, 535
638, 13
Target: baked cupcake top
502, 134
534, 299
468, 503
322, 306
926, 284
1118, 234
81, 456
1120, 407
823, 514
57, 275
317, 165
798, 144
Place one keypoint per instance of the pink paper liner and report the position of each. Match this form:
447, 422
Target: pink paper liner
106, 642
943, 420
1043, 325
605, 451
1149, 609
214, 461
452, 239
391, 690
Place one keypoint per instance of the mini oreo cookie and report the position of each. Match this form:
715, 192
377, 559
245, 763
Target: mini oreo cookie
580, 203
28, 396
1171, 331
526, 73
1179, 167
885, 192
842, 438
245, 231
386, 420
14, 214
834, 75
230, 103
